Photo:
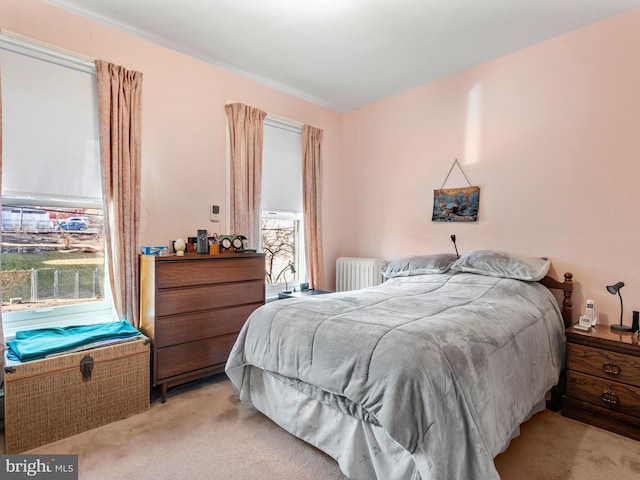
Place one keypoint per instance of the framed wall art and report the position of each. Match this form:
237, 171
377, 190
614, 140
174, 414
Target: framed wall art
456, 204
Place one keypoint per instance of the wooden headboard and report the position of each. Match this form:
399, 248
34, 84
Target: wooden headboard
567, 288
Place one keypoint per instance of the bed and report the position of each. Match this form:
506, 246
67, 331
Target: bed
426, 376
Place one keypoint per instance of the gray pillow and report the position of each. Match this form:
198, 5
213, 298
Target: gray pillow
502, 264
419, 265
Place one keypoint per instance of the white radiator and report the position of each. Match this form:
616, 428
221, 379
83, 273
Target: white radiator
353, 273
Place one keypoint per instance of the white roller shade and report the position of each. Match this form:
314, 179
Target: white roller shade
281, 167
50, 139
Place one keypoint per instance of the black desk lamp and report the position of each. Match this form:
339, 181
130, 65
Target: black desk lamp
613, 289
453, 239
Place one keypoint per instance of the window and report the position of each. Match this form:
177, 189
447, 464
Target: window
282, 216
52, 224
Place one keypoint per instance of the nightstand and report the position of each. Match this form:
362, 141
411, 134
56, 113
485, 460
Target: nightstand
301, 293
603, 380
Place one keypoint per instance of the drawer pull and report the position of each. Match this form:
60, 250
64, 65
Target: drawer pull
609, 397
611, 368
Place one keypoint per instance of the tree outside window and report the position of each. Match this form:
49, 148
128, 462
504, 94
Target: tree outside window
280, 240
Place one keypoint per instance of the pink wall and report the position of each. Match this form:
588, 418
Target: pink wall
551, 134
184, 143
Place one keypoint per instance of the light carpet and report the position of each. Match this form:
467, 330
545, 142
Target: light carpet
203, 432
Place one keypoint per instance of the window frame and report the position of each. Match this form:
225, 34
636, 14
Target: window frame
81, 313
300, 264
272, 290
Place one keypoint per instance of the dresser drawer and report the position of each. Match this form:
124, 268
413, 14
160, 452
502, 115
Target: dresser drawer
189, 327
205, 271
208, 297
604, 364
603, 392
187, 357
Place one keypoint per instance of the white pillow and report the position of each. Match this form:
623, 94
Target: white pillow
419, 265
502, 264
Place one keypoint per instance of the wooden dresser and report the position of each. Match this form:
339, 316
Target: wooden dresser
603, 380
192, 307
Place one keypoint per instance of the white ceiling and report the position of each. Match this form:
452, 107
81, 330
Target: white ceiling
343, 54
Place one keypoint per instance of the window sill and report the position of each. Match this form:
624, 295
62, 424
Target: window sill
13, 322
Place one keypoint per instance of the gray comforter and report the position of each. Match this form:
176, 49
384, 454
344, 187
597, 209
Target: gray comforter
449, 365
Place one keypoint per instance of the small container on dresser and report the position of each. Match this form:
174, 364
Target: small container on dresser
603, 379
192, 307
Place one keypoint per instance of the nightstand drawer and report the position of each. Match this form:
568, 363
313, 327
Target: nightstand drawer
602, 417
605, 393
604, 364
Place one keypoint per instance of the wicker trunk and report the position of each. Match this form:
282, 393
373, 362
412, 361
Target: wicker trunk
56, 397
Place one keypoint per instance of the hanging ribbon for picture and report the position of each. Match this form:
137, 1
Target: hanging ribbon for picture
456, 204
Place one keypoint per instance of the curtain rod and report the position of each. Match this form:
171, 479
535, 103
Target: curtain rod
279, 122
283, 123
36, 46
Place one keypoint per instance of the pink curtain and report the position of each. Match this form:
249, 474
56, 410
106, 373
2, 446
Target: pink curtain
119, 113
1, 329
245, 139
312, 203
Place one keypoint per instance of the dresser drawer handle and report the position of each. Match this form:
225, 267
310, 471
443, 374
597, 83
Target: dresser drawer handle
609, 397
611, 368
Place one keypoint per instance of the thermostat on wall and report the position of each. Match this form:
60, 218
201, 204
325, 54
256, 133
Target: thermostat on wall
214, 212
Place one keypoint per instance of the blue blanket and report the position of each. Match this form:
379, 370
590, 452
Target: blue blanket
34, 344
